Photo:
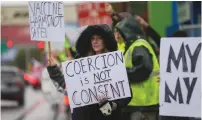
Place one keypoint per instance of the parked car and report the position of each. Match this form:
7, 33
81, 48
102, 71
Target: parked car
12, 84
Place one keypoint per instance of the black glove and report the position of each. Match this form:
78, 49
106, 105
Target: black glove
106, 107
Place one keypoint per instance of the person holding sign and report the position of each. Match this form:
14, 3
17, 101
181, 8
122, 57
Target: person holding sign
142, 67
94, 40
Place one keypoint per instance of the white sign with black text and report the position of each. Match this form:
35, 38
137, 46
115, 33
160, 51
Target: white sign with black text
99, 75
180, 73
46, 20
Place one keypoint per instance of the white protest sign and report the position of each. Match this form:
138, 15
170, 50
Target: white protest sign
180, 73
99, 75
46, 21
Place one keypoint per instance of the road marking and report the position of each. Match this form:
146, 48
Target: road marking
31, 109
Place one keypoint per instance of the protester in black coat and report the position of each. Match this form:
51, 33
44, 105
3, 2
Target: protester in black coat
85, 47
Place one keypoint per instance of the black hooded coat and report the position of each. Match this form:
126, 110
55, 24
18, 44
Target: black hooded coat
83, 46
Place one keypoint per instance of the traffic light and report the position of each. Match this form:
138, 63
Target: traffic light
9, 43
40, 45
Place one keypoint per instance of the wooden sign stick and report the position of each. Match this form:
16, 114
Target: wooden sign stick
49, 51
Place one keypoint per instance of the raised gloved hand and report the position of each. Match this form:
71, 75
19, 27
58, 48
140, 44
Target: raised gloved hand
109, 9
142, 21
106, 107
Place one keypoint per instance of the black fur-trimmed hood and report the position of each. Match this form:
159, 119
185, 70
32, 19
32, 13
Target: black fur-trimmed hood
83, 44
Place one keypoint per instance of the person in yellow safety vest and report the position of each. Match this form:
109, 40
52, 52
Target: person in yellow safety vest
142, 69
64, 56
66, 53
120, 42
69, 49
152, 36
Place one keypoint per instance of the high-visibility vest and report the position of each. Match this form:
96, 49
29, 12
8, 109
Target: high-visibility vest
121, 46
145, 93
62, 57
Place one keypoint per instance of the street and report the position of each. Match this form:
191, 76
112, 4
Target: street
35, 108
